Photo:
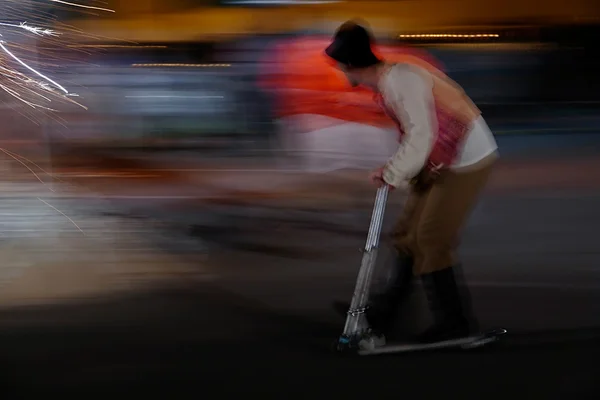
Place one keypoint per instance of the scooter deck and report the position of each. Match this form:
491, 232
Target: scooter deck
474, 341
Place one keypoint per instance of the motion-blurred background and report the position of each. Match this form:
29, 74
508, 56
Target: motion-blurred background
208, 205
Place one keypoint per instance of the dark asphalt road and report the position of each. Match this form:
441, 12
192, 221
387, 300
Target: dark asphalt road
206, 342
261, 325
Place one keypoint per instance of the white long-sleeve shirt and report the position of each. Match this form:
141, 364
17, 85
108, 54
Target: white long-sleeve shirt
408, 92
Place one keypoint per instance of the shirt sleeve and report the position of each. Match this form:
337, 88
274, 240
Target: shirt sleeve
410, 95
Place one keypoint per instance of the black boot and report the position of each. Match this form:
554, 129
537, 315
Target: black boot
383, 306
446, 305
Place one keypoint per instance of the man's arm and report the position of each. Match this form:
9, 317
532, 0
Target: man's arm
411, 98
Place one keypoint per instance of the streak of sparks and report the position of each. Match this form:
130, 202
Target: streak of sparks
26, 166
33, 29
25, 159
18, 78
63, 214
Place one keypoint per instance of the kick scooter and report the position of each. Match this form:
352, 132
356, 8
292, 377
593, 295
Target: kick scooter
357, 335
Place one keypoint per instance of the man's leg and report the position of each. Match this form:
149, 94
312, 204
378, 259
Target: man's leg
448, 206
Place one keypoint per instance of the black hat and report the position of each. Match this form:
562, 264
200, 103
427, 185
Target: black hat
351, 46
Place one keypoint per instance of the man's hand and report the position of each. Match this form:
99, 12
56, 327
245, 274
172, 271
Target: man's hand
377, 178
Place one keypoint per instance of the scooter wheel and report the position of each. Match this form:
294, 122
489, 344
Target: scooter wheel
344, 346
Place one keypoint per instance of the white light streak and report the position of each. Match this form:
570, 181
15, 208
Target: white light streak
82, 6
17, 59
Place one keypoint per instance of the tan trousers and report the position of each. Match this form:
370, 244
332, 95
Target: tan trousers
430, 226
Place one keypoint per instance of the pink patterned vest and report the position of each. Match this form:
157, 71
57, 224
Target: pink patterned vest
448, 141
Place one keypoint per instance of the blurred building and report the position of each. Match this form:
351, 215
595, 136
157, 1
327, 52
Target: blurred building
177, 20
189, 70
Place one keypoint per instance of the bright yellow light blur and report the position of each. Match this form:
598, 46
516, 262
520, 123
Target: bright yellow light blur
180, 65
451, 35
